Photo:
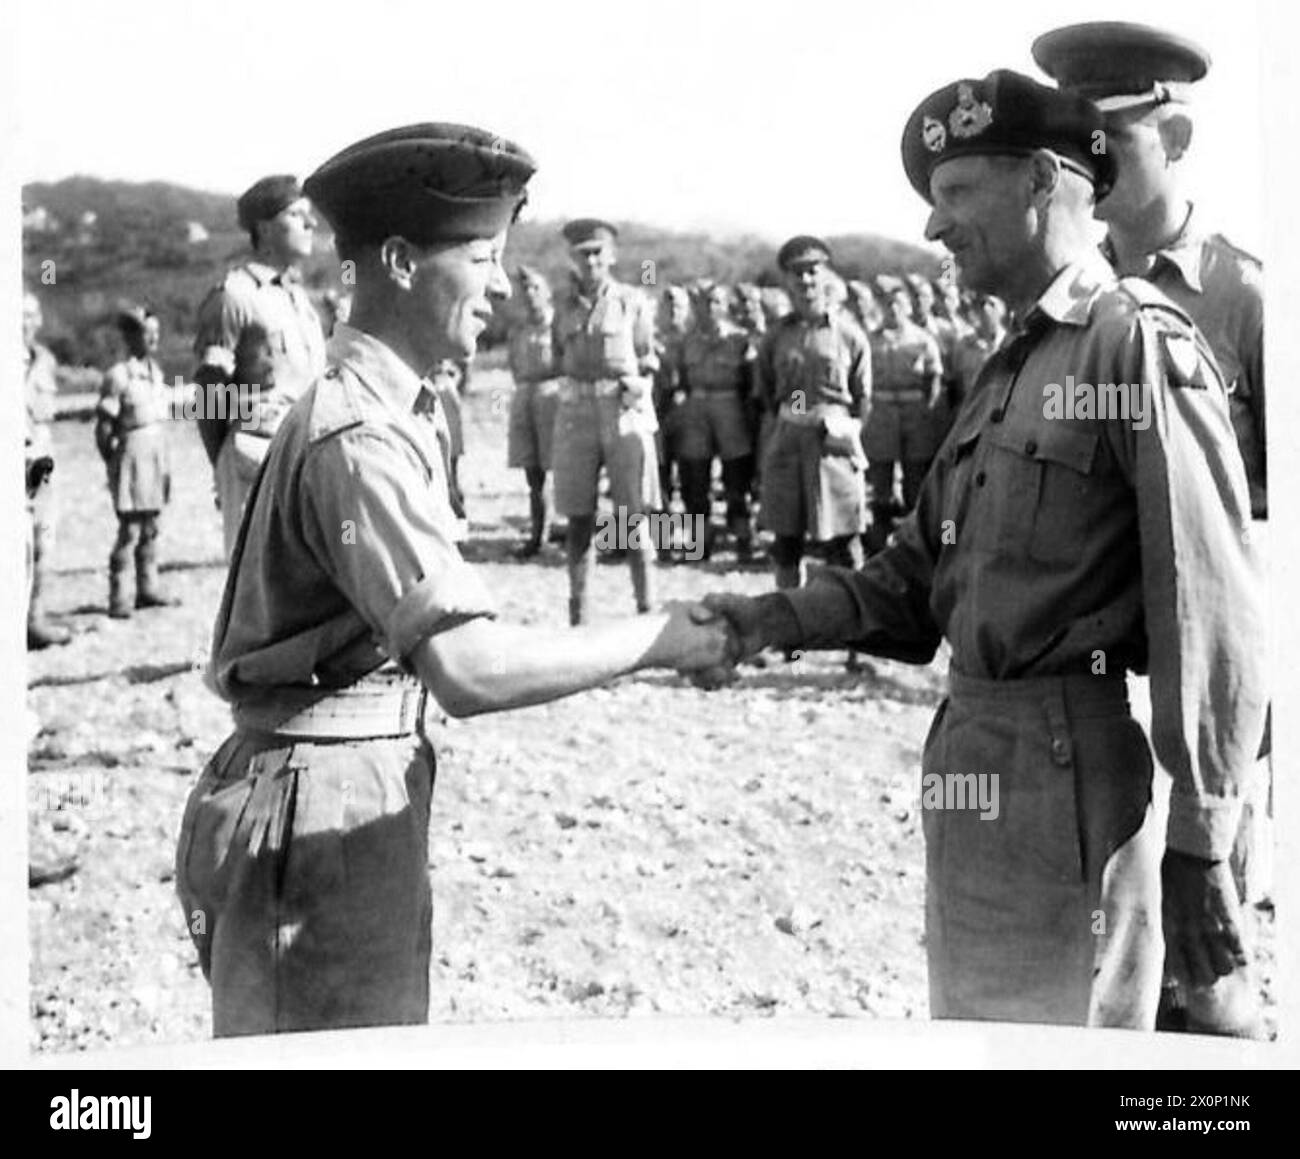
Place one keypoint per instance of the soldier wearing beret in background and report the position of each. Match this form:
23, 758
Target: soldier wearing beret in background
907, 383
533, 404
605, 350
813, 378
1055, 548
1141, 78
717, 376
39, 391
258, 331
131, 435
302, 864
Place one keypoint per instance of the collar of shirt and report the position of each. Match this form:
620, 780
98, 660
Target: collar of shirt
269, 275
1184, 253
375, 363
1070, 296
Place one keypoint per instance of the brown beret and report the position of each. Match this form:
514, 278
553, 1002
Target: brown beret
267, 197
1005, 113
427, 183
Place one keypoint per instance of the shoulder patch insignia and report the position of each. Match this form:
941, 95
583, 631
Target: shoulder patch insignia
1183, 361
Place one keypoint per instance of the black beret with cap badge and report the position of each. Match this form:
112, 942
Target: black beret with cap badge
1005, 113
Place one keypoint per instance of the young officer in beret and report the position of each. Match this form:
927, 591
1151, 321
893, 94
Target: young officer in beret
1142, 79
302, 864
258, 324
131, 433
1055, 549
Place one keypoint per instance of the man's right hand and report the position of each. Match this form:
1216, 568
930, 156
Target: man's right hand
741, 612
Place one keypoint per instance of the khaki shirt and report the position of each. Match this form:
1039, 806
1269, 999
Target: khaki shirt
1222, 288
968, 360
260, 324
134, 395
824, 362
608, 336
40, 388
717, 361
346, 558
1041, 546
530, 351
906, 358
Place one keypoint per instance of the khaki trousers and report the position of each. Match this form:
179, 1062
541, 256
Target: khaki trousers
302, 870
1050, 910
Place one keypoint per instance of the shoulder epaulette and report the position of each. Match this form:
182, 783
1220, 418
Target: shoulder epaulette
334, 408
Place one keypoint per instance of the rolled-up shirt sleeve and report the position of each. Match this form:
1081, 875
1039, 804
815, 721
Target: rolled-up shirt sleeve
884, 608
222, 319
376, 522
1202, 590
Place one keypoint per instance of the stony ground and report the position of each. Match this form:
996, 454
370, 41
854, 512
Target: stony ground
643, 849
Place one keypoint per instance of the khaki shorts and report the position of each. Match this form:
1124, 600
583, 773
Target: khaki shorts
808, 492
594, 432
713, 424
236, 469
531, 431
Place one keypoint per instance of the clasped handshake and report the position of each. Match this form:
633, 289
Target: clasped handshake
706, 640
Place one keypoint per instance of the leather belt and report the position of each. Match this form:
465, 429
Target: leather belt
573, 389
899, 396
808, 416
367, 710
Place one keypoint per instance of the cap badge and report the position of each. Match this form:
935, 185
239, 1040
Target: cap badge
933, 134
970, 117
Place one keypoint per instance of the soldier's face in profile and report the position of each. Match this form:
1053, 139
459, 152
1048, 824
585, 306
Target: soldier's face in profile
32, 320
453, 290
924, 300
151, 334
982, 214
290, 232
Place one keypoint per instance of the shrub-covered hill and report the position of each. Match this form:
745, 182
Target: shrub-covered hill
90, 246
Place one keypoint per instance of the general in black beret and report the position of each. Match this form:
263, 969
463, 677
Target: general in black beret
1119, 65
801, 249
427, 183
262, 200
1005, 113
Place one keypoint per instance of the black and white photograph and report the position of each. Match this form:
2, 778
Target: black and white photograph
637, 524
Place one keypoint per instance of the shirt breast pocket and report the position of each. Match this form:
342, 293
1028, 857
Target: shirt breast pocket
1043, 482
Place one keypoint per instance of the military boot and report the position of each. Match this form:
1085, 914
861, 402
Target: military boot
642, 565
148, 593
119, 603
580, 570
41, 633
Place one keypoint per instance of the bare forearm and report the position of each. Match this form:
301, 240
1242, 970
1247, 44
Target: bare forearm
488, 667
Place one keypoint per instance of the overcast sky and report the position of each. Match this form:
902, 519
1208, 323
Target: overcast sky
770, 117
